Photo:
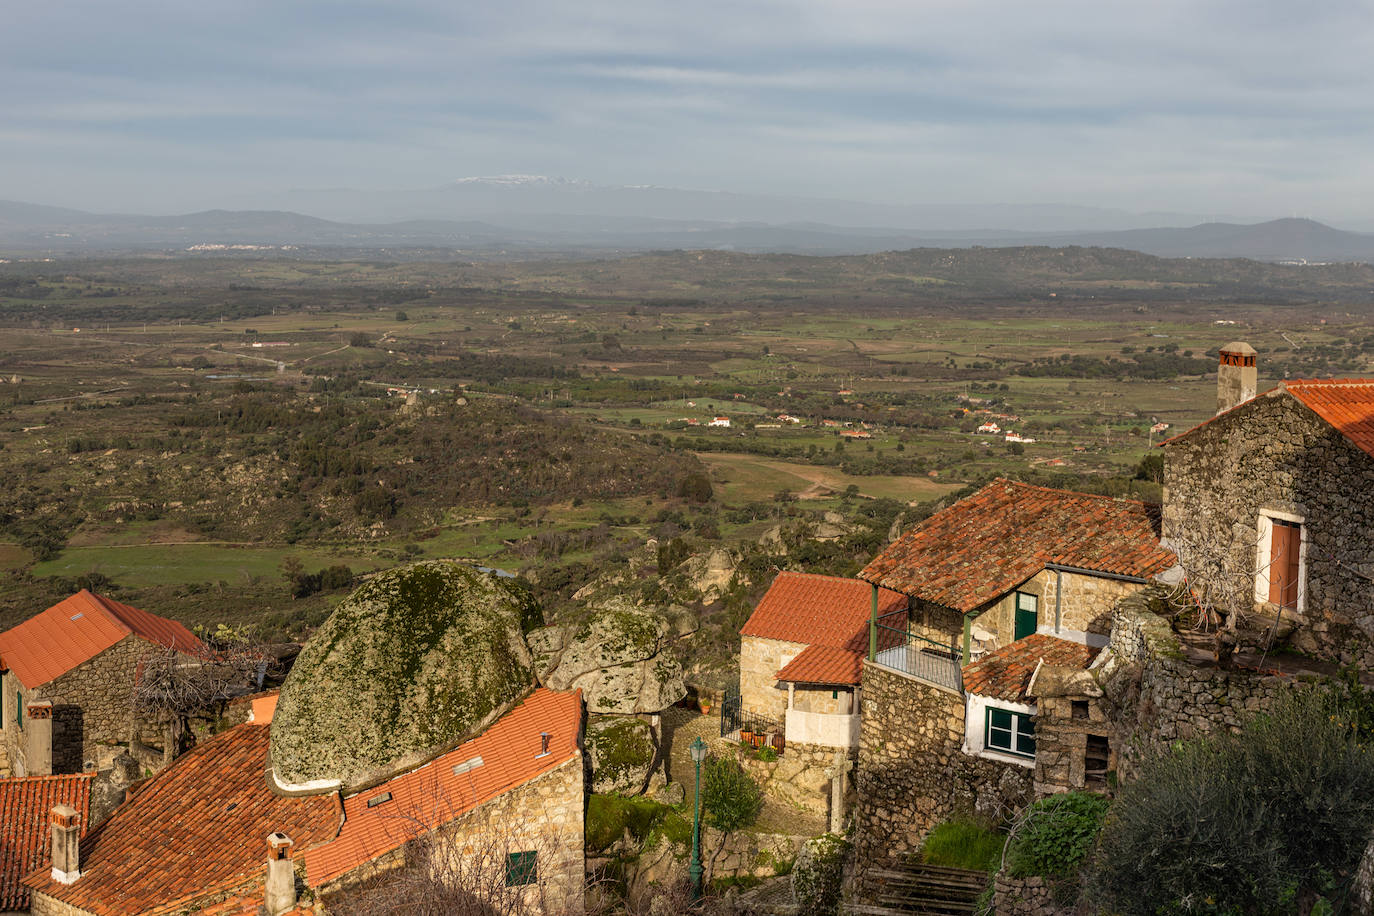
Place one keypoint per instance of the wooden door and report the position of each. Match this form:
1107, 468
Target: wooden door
1284, 556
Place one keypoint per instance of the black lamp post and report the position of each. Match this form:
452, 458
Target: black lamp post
698, 750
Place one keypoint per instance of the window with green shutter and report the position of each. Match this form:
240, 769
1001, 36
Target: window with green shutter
1011, 732
1027, 614
522, 868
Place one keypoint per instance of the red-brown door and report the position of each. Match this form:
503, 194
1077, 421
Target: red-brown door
1283, 563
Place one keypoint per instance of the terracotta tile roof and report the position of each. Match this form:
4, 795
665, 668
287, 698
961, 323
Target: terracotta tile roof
986, 544
824, 665
1005, 673
196, 829
1347, 404
504, 756
25, 805
77, 629
819, 610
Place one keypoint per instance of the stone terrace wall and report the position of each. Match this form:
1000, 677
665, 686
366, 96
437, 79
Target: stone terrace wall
1273, 453
1159, 696
913, 772
1025, 897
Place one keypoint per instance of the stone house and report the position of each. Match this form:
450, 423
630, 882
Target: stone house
67, 677
1270, 506
207, 835
1011, 581
801, 654
1011, 560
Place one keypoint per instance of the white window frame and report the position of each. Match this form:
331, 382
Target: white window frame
1264, 545
975, 720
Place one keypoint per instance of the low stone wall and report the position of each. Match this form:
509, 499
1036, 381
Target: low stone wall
797, 778
1025, 897
913, 773
1159, 696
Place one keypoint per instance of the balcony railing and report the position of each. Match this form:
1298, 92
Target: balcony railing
901, 650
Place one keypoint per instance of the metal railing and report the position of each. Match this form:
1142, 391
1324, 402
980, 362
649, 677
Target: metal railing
907, 652
736, 722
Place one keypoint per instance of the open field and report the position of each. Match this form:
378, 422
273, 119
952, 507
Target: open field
177, 422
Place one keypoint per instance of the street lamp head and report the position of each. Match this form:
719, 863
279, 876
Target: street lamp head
698, 749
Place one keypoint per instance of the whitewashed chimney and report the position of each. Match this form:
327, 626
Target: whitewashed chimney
1237, 377
66, 844
281, 875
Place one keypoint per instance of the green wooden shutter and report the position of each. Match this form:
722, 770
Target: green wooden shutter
1027, 615
522, 868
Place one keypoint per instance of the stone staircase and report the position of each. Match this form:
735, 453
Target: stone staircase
928, 890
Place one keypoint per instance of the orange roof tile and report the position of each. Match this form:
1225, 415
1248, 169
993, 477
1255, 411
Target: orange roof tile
824, 665
1346, 404
504, 756
25, 805
1005, 673
986, 544
197, 828
77, 629
819, 610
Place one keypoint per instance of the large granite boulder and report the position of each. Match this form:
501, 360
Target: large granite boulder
618, 656
622, 751
416, 660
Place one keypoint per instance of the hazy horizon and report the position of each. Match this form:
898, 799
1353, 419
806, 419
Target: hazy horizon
1220, 109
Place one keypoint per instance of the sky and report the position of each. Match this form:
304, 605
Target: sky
1253, 109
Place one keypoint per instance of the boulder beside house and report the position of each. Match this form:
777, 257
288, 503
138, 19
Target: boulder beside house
67, 677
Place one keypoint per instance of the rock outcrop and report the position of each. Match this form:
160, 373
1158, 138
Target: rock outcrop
618, 657
622, 751
416, 660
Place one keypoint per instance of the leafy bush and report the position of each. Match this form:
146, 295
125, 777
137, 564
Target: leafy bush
695, 486
1055, 835
730, 798
1251, 823
964, 843
818, 875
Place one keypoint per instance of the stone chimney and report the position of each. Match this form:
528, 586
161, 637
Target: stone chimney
66, 844
38, 736
281, 875
1237, 377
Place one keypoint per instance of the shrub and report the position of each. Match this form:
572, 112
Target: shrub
964, 843
1055, 835
730, 798
1251, 823
695, 486
818, 875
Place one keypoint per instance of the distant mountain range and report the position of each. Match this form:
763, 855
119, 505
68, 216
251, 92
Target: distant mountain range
587, 226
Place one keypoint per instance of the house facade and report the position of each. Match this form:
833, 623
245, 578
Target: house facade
67, 677
801, 655
502, 813
1270, 507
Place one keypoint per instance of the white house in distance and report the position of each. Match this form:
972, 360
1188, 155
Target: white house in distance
720, 421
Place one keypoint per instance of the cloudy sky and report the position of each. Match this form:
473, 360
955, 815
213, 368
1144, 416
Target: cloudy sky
1252, 109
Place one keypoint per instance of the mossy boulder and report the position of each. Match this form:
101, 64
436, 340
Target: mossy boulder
622, 751
416, 660
619, 656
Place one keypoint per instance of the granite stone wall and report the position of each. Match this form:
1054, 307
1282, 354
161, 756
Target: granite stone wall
546, 815
1026, 897
913, 773
759, 662
1275, 454
1157, 696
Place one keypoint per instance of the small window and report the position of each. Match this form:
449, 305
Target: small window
1096, 757
1078, 709
1027, 615
1012, 732
376, 800
522, 868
